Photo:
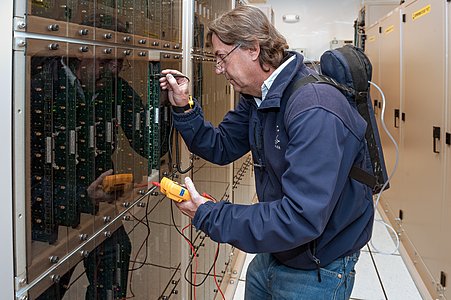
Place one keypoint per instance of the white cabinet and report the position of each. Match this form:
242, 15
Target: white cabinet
390, 79
424, 106
374, 10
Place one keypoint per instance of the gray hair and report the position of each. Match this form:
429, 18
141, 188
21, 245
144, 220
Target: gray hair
246, 25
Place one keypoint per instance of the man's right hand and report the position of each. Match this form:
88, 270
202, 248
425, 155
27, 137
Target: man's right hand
178, 87
95, 190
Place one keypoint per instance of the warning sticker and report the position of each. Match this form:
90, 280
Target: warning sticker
422, 12
389, 29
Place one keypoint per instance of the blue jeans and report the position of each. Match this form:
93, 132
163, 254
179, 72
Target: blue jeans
267, 278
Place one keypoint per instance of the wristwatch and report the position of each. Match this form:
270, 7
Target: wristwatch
182, 109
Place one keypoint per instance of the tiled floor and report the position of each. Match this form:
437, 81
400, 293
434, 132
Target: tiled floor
378, 276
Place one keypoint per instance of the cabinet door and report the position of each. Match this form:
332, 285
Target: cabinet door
372, 51
447, 199
390, 82
424, 102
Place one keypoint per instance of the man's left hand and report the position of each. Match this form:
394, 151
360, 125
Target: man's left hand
189, 207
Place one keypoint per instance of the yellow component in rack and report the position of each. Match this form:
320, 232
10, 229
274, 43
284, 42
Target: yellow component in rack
117, 182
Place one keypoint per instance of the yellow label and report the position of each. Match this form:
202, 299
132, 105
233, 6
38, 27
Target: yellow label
371, 38
422, 12
389, 29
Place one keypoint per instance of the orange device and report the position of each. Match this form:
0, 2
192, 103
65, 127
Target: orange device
117, 182
173, 190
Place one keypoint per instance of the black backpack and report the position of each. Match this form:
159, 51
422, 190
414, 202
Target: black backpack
349, 70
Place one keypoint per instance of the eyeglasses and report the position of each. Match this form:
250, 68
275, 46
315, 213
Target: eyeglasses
220, 59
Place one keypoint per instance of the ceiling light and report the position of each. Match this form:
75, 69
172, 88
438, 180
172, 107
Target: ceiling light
291, 18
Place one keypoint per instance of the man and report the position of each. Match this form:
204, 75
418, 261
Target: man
312, 219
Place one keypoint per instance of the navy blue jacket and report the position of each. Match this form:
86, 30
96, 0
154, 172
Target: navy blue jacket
310, 212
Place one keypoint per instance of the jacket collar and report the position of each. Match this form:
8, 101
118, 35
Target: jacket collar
292, 70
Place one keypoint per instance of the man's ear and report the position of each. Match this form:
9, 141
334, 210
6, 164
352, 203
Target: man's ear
255, 50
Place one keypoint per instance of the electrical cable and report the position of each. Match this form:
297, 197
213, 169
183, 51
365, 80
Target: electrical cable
140, 221
177, 151
170, 141
397, 242
189, 264
146, 240
194, 253
206, 275
177, 156
212, 268
214, 273
193, 249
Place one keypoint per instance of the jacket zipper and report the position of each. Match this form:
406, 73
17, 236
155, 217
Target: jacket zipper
317, 261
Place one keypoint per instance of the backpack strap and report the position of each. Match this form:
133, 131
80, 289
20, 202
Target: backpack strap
363, 177
356, 173
319, 78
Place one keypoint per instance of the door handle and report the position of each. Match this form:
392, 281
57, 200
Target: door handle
396, 120
436, 137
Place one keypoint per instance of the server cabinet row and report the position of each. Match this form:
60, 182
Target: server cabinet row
409, 49
90, 111
154, 24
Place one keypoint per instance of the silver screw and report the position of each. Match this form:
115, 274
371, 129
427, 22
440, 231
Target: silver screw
55, 278
54, 259
21, 25
21, 43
